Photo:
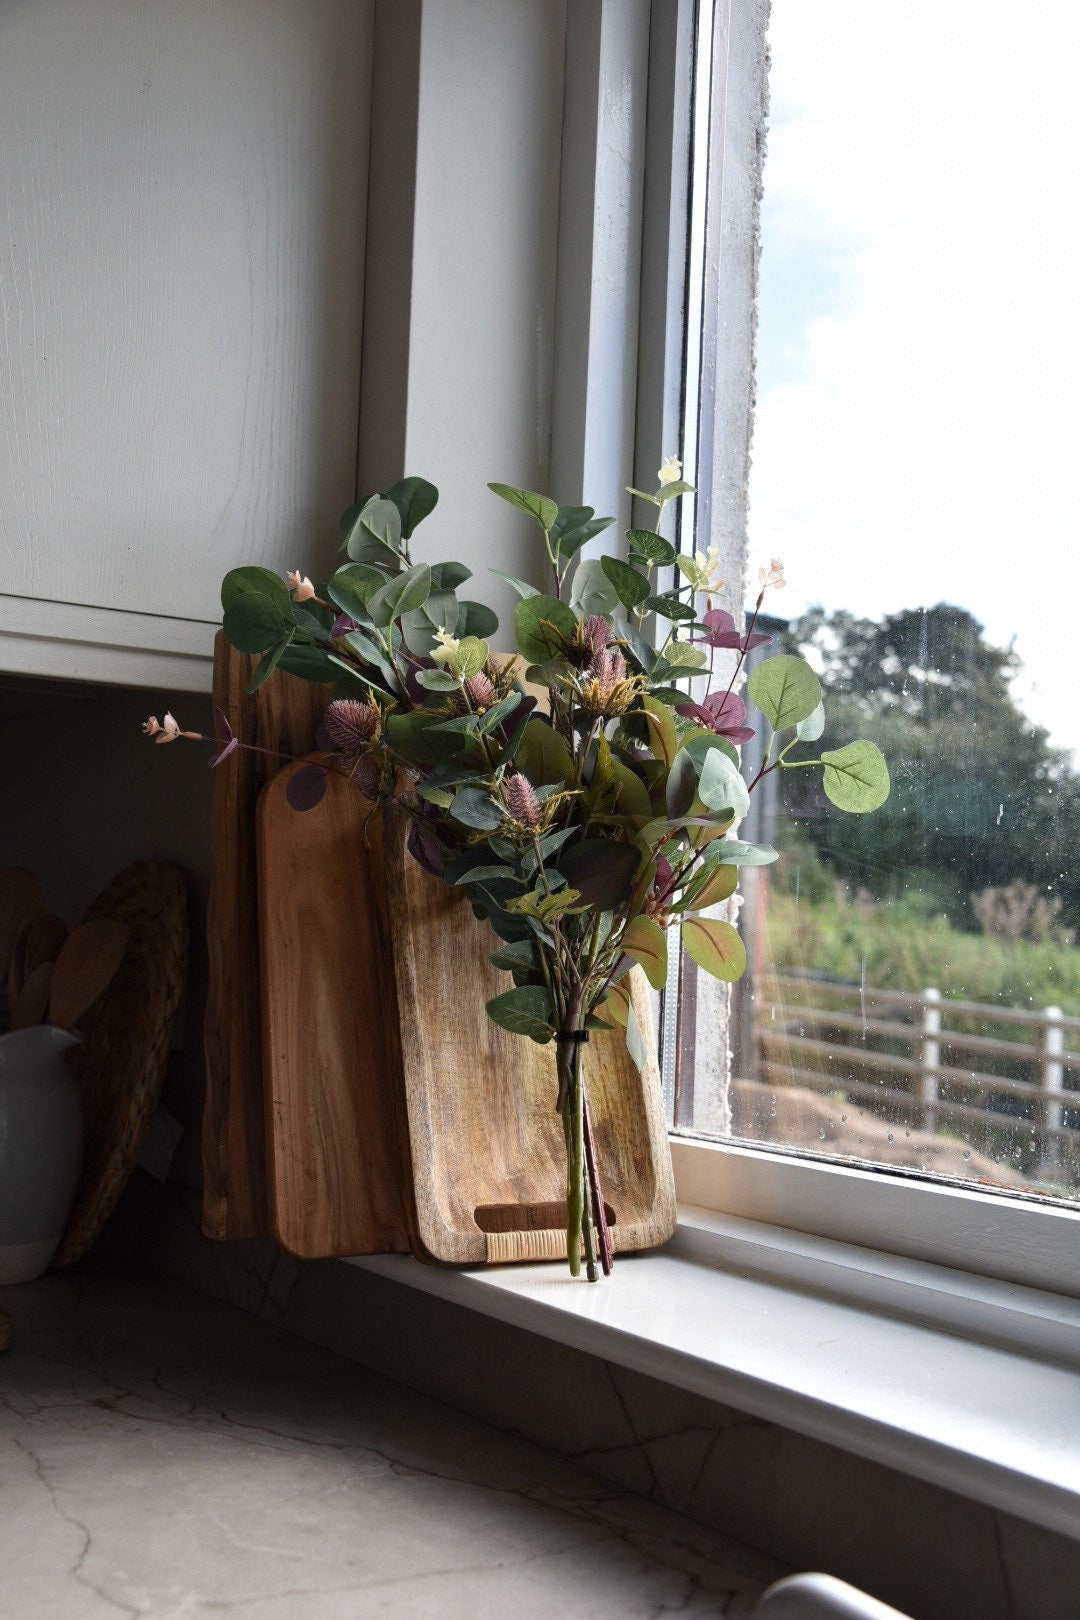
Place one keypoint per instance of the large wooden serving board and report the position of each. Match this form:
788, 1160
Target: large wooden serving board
283, 715
331, 1047
486, 1145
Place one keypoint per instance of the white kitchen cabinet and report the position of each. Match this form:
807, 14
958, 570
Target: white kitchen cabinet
182, 221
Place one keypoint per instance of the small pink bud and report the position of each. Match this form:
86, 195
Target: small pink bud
302, 588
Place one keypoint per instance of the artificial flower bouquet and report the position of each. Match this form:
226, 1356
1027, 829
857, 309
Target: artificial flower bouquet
583, 792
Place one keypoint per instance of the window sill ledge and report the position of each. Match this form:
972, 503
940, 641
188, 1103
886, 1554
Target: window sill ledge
967, 1383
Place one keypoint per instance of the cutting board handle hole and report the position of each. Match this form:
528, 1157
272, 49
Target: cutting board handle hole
526, 1217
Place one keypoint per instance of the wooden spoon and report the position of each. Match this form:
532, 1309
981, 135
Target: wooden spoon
88, 959
29, 1005
44, 941
20, 898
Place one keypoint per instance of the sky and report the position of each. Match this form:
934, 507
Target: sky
917, 436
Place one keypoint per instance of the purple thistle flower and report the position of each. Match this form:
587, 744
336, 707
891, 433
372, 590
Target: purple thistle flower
480, 692
522, 804
595, 633
348, 726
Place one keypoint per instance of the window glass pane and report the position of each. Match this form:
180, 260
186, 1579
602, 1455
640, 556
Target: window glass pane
914, 990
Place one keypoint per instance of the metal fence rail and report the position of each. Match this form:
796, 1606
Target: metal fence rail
888, 1048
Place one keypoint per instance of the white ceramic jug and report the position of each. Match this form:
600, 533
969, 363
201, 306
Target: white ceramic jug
41, 1147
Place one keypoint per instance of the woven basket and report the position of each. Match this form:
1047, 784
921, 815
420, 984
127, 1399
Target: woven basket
127, 1033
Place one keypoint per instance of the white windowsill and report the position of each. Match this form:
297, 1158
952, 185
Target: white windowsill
968, 1383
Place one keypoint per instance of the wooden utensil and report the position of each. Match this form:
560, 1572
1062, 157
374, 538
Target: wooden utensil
20, 897
28, 1006
330, 1026
88, 959
486, 1145
282, 715
45, 936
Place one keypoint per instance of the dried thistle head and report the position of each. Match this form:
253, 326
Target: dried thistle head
522, 806
481, 693
590, 637
351, 727
606, 688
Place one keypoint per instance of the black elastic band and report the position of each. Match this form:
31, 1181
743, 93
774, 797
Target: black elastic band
574, 1035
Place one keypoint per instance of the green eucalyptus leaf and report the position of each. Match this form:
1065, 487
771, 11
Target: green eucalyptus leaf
375, 537
698, 744
474, 807
468, 658
646, 942
525, 1010
476, 619
668, 606
680, 655
540, 507
733, 852
542, 624
785, 689
353, 586
268, 664
668, 492
499, 712
810, 729
437, 680
402, 594
722, 786
515, 956
308, 664
650, 546
592, 591
447, 576
542, 755
523, 588
572, 541
682, 785
715, 946
632, 588
856, 777
252, 581
414, 499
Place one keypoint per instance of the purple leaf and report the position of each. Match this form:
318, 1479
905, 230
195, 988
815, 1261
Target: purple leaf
722, 712
230, 748
343, 625
222, 729
600, 871
306, 787
722, 633
425, 848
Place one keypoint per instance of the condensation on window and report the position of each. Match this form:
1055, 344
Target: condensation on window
913, 991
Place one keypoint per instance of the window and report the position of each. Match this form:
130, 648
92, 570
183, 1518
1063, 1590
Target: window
913, 1000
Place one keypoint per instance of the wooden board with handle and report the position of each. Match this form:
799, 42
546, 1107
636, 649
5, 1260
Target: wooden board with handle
282, 716
332, 1053
487, 1149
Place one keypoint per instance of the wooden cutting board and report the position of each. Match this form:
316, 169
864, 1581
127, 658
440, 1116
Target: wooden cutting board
284, 714
486, 1145
332, 1054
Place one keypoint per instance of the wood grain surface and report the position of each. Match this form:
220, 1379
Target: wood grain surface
330, 1026
487, 1148
283, 715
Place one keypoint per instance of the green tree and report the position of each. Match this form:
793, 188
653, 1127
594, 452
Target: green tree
978, 792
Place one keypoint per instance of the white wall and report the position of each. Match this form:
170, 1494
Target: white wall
182, 197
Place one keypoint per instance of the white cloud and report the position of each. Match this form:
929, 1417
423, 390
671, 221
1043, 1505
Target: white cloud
922, 443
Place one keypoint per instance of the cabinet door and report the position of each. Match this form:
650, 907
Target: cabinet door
182, 202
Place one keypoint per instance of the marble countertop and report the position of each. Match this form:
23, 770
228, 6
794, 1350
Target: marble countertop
162, 1454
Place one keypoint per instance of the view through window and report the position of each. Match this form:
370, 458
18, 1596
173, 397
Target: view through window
913, 996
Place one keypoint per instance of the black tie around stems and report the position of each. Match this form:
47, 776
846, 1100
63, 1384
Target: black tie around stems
574, 1035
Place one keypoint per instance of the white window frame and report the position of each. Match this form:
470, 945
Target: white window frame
1017, 1238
